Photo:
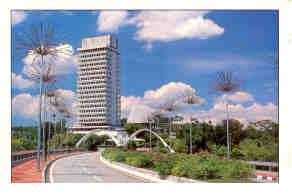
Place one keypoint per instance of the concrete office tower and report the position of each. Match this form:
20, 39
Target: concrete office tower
98, 84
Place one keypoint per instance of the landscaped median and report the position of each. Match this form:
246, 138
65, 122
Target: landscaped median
179, 167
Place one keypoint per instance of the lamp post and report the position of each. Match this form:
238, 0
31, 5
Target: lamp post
150, 122
178, 119
49, 133
156, 118
55, 132
169, 135
191, 144
227, 126
44, 127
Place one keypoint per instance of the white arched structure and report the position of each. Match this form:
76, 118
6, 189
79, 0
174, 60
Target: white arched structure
119, 138
148, 130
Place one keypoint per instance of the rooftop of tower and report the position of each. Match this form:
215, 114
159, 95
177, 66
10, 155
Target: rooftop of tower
99, 42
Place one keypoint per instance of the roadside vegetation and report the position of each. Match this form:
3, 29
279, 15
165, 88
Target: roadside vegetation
202, 167
25, 138
256, 141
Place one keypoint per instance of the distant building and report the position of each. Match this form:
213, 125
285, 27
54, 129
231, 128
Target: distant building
98, 84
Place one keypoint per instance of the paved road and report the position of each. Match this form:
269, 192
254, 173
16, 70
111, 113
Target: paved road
86, 168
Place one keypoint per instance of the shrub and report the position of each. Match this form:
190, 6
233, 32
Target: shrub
183, 165
119, 156
210, 167
212, 148
132, 145
253, 150
179, 146
20, 144
221, 151
163, 168
183, 168
235, 169
163, 150
236, 153
207, 167
140, 160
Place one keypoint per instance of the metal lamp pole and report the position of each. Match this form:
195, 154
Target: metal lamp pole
156, 127
54, 116
191, 144
169, 136
40, 116
49, 133
44, 128
150, 135
191, 147
227, 126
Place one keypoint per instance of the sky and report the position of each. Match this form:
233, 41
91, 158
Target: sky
164, 55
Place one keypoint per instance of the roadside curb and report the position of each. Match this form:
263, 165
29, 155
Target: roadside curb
44, 172
145, 174
48, 165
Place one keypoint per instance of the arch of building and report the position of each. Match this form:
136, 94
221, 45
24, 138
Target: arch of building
100, 133
148, 130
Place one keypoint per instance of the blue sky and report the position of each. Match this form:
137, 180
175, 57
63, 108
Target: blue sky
165, 47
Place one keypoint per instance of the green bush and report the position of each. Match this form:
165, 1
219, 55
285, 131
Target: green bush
207, 167
183, 165
236, 153
140, 160
210, 167
21, 144
132, 145
235, 169
119, 156
183, 168
163, 168
179, 146
254, 150
221, 150
212, 148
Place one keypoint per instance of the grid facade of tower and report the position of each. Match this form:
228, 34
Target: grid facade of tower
98, 83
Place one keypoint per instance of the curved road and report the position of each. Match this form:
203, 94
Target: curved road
87, 168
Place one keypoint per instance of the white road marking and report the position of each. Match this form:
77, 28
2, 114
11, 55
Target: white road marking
94, 177
97, 178
85, 170
51, 172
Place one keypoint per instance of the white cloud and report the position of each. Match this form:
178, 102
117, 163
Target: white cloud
27, 106
241, 96
237, 97
168, 94
161, 25
18, 17
110, 21
20, 83
137, 109
173, 25
217, 113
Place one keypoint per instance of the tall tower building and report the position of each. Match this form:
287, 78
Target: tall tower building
98, 84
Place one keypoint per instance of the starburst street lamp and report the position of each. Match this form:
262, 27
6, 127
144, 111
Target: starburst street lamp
226, 83
61, 107
39, 45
